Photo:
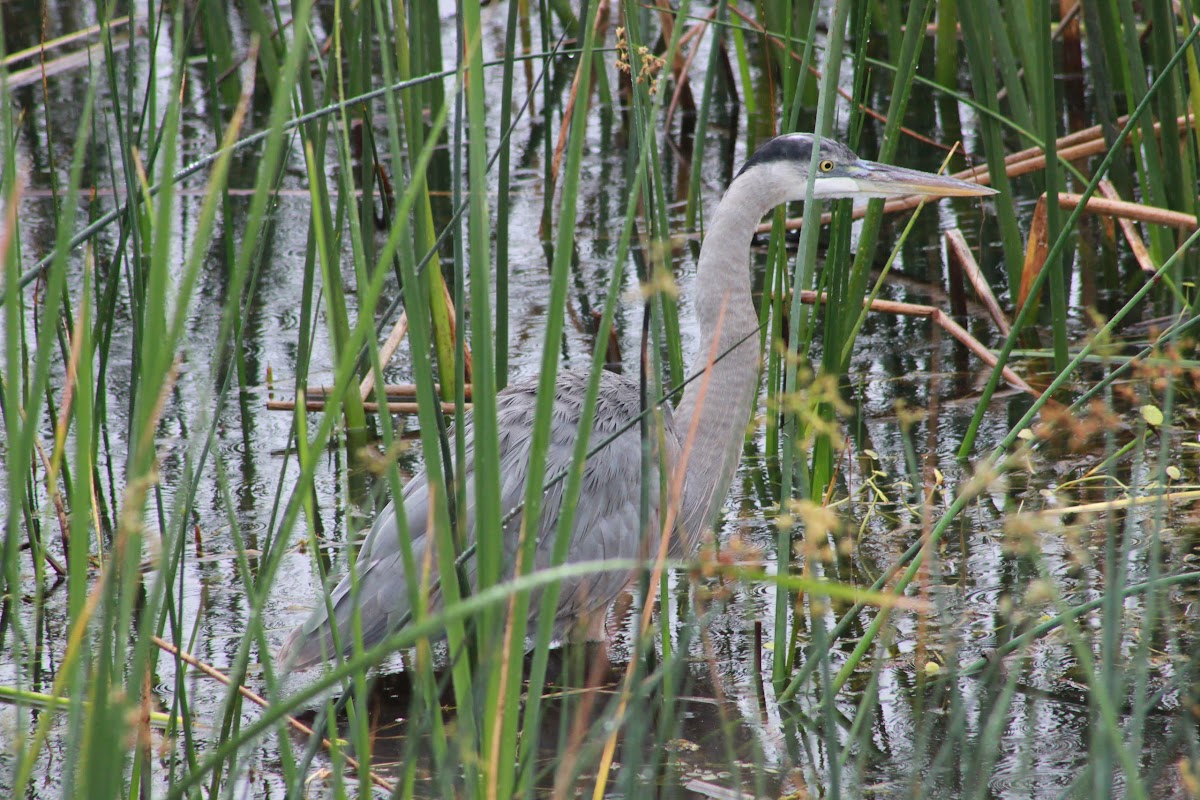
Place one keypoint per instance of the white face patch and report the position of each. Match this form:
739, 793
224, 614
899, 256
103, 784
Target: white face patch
835, 187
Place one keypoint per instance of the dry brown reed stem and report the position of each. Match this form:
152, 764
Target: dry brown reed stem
385, 354
957, 247
7, 235
1069, 29
666, 18
1037, 247
394, 391
935, 314
259, 701
946, 323
43, 47
60, 509
76, 60
371, 408
681, 65
10, 216
409, 408
74, 337
1124, 211
390, 346
450, 310
1120, 503
1072, 147
1080, 144
1132, 236
684, 70
600, 25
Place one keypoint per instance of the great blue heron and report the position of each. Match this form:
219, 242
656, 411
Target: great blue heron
607, 519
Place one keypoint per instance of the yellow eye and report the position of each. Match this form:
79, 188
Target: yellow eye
826, 165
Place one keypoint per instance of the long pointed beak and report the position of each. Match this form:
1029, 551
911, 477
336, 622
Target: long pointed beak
884, 180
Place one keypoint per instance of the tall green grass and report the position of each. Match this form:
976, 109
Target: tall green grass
360, 159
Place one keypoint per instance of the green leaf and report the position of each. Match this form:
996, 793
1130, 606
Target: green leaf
1153, 415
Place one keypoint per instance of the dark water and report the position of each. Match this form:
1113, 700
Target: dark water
728, 714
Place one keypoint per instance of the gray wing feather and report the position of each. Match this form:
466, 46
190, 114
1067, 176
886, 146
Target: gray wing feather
607, 517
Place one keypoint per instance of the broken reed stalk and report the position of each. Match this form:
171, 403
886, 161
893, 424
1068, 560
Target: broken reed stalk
1037, 246
1136, 246
1123, 211
385, 355
958, 249
946, 323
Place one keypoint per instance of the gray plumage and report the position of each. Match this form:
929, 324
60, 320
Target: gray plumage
718, 404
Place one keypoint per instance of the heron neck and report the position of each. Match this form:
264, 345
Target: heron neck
719, 401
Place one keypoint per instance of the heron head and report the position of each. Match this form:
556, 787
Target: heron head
841, 173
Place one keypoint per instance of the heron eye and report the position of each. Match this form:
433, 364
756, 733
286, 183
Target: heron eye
826, 165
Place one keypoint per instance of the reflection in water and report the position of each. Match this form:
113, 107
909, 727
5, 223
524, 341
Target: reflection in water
695, 737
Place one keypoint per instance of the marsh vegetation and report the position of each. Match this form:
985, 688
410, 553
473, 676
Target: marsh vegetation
959, 558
